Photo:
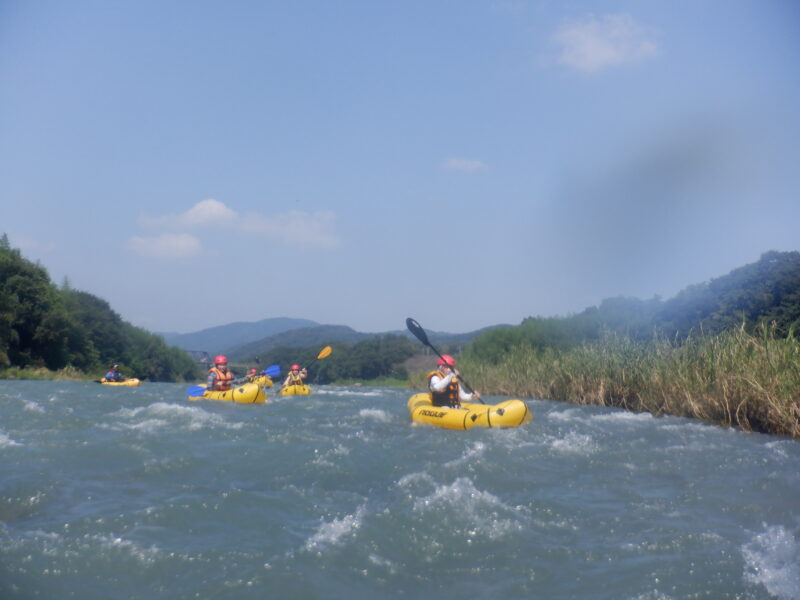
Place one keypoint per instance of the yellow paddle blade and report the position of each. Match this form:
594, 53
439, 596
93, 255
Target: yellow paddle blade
326, 351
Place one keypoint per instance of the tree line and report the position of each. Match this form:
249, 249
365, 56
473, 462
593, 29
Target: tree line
43, 325
373, 358
766, 292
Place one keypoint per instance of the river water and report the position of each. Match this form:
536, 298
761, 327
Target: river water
110, 492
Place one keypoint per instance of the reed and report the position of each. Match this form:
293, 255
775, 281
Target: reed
738, 378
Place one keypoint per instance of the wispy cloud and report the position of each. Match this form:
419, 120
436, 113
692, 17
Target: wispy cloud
467, 165
291, 228
593, 44
296, 227
207, 212
167, 245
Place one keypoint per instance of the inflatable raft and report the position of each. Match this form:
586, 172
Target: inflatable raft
133, 382
295, 390
511, 413
263, 381
247, 393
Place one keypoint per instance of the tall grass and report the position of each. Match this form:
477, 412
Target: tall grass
736, 378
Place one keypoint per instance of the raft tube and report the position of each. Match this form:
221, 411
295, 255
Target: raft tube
263, 381
247, 393
133, 382
511, 413
295, 390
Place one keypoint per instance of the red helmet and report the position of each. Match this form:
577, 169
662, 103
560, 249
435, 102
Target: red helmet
253, 371
220, 360
446, 359
295, 368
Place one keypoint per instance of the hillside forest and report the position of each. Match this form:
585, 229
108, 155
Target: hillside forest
724, 351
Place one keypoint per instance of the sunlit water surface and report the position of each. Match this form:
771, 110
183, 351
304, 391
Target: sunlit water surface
110, 492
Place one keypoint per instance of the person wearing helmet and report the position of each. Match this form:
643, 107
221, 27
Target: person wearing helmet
444, 387
219, 377
114, 374
251, 375
296, 376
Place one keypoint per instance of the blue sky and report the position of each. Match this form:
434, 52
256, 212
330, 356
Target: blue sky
465, 163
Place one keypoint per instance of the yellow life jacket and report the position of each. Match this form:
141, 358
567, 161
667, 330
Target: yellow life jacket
295, 379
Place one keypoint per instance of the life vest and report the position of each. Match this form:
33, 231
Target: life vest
222, 381
295, 379
448, 397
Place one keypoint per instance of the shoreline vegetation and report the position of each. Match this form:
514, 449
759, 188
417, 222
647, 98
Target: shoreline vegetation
734, 379
737, 378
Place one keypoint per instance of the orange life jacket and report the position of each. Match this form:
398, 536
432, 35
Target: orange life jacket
222, 381
448, 397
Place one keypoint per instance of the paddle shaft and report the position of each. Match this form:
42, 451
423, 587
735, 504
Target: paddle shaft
420, 334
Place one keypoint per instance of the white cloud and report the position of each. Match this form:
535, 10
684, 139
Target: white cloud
207, 213
295, 227
467, 165
167, 245
317, 229
594, 44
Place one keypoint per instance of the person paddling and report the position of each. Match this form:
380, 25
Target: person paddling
444, 387
296, 376
219, 377
114, 374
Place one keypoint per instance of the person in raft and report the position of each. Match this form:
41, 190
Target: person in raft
444, 387
219, 377
296, 376
251, 375
114, 374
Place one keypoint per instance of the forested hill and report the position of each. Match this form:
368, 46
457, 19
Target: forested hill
42, 325
767, 291
219, 339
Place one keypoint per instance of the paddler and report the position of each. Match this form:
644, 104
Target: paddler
296, 376
219, 377
114, 374
251, 375
444, 387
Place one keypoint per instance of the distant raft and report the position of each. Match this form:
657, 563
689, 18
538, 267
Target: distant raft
247, 393
263, 381
295, 390
133, 382
511, 413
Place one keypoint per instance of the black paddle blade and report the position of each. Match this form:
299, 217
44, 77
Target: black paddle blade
417, 330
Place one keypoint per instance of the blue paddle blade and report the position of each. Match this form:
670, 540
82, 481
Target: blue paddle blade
196, 390
272, 370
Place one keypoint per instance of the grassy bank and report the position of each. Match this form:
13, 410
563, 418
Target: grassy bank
40, 373
733, 379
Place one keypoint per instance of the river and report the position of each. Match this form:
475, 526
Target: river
111, 492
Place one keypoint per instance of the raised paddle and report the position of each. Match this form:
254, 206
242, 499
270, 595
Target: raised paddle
420, 334
272, 371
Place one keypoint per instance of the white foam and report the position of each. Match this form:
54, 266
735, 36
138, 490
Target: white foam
32, 406
162, 415
574, 443
624, 416
333, 533
772, 559
470, 454
479, 510
375, 414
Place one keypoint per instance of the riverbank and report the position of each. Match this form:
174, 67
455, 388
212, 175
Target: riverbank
735, 379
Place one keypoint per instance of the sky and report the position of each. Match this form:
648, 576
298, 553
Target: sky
462, 162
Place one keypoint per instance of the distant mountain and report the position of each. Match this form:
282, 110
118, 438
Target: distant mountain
223, 337
320, 335
330, 334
